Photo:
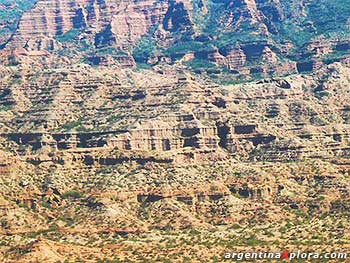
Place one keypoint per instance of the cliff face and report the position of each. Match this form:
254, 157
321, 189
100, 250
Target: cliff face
265, 13
251, 38
46, 20
274, 119
11, 12
122, 21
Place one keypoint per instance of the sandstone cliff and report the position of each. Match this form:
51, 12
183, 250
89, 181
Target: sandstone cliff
246, 38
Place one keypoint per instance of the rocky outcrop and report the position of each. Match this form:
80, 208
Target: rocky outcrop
240, 60
236, 58
180, 114
177, 17
267, 13
105, 33
115, 24
48, 19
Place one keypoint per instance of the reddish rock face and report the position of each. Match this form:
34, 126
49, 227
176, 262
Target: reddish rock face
123, 21
47, 19
263, 12
236, 59
248, 37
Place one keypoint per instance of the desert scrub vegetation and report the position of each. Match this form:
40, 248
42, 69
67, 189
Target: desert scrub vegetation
72, 194
69, 36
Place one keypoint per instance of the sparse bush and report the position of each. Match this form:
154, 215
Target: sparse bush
72, 194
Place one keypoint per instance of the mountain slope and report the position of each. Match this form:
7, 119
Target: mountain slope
245, 37
10, 13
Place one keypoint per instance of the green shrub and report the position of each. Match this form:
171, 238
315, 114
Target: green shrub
5, 108
72, 125
69, 36
145, 49
200, 64
72, 194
